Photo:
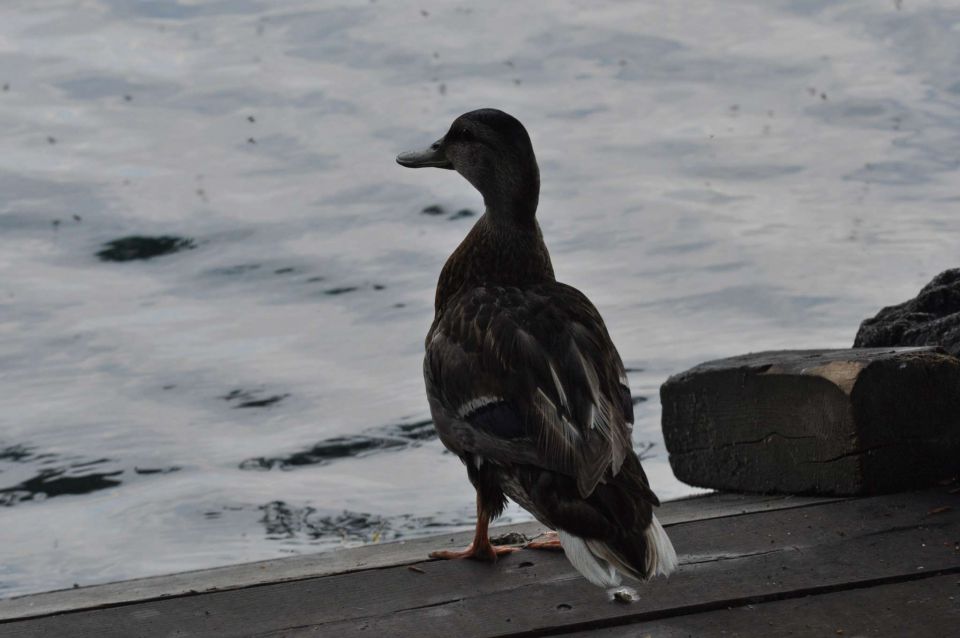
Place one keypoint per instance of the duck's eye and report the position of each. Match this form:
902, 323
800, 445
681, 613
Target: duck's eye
465, 134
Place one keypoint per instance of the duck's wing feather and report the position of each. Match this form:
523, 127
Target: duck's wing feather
531, 374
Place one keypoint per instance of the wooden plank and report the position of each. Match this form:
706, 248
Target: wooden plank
374, 556
732, 558
844, 422
927, 607
739, 560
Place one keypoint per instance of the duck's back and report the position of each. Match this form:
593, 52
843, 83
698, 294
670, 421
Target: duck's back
541, 354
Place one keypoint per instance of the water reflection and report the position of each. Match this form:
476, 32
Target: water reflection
53, 476
252, 399
436, 210
391, 437
283, 521
138, 247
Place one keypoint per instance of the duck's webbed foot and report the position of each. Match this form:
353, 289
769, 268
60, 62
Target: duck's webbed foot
483, 552
548, 540
481, 548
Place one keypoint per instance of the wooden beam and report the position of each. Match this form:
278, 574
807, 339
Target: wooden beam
923, 607
861, 421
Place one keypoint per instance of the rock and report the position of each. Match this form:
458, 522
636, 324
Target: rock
930, 319
838, 422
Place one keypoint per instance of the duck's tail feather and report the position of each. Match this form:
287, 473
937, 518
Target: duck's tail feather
646, 557
585, 559
661, 557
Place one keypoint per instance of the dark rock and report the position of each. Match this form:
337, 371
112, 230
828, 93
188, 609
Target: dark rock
932, 318
140, 247
816, 421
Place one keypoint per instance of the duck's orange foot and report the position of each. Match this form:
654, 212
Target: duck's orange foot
487, 553
551, 541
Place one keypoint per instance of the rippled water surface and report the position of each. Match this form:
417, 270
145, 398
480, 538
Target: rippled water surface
215, 282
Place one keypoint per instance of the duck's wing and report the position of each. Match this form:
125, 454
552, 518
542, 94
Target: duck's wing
531, 375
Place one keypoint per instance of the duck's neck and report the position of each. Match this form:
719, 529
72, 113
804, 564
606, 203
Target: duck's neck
498, 251
513, 195
511, 192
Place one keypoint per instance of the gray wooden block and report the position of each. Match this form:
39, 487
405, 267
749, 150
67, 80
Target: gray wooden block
845, 422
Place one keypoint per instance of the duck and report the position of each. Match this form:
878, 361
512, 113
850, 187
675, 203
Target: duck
522, 378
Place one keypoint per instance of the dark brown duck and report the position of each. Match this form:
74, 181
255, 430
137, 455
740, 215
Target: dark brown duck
523, 381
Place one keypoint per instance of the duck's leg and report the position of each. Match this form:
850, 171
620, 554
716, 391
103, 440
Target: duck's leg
480, 548
551, 541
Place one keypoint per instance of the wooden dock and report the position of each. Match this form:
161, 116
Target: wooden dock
750, 566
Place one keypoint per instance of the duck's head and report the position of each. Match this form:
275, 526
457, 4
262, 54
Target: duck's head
492, 150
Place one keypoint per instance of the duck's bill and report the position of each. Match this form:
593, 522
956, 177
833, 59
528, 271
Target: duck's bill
432, 156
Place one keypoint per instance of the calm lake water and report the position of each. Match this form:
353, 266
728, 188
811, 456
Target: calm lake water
717, 177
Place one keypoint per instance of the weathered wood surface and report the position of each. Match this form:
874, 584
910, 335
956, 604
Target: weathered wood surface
928, 607
374, 556
861, 421
770, 557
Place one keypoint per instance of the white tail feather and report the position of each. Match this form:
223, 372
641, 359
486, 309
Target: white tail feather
661, 557
598, 563
592, 567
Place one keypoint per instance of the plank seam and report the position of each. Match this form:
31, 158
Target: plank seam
732, 603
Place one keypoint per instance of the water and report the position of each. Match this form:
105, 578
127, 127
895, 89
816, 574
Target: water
717, 177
